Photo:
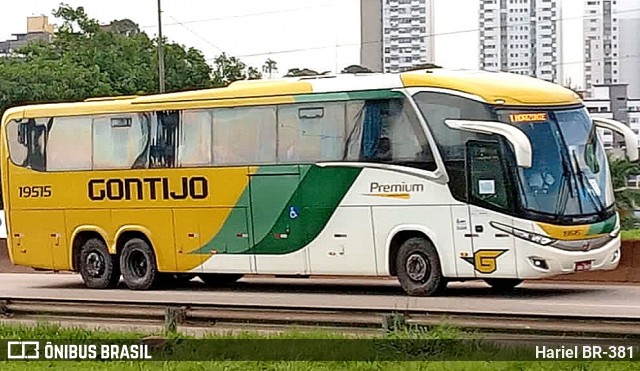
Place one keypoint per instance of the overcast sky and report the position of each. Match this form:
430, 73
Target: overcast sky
317, 34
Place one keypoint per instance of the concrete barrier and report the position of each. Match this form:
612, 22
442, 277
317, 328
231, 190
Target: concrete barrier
627, 272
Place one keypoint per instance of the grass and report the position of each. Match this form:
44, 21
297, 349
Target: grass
631, 234
437, 336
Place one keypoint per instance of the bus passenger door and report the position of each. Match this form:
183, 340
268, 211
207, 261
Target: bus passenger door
279, 236
489, 191
462, 240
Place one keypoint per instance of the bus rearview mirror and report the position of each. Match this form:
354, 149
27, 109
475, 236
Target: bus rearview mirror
630, 139
518, 139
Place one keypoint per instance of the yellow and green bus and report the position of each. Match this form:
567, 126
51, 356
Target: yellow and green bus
430, 176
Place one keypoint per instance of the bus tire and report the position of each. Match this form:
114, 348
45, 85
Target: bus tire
418, 268
219, 279
503, 284
138, 265
99, 270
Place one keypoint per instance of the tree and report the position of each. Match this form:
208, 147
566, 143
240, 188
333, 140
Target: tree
355, 68
569, 85
123, 27
86, 60
626, 197
423, 66
301, 72
229, 69
49, 81
270, 66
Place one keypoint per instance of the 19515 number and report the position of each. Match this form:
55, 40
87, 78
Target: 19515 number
35, 192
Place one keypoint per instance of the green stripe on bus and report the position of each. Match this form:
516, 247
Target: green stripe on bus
355, 95
603, 227
314, 197
271, 188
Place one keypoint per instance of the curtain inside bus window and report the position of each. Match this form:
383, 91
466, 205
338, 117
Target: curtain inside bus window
27, 143
31, 135
372, 128
355, 118
162, 151
37, 135
142, 161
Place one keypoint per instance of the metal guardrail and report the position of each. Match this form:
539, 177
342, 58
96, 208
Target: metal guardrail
173, 316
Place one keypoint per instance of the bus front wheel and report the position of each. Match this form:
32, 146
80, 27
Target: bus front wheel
418, 268
138, 265
99, 270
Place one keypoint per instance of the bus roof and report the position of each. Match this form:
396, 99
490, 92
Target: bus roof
491, 87
119, 97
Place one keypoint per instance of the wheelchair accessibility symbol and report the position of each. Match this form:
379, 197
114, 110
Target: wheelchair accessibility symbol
293, 212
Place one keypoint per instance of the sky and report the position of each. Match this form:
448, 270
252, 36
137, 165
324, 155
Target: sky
322, 35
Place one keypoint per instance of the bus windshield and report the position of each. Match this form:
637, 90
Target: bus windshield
569, 177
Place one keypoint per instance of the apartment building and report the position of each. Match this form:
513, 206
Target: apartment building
611, 44
396, 34
521, 36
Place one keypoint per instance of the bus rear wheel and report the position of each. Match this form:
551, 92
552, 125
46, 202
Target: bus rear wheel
99, 270
503, 284
138, 265
219, 279
418, 268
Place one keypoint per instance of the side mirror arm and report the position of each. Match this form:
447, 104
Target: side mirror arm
630, 139
518, 139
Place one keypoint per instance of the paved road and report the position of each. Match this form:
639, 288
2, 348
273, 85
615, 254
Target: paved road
531, 298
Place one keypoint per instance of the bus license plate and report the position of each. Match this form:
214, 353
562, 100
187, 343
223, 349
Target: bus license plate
583, 266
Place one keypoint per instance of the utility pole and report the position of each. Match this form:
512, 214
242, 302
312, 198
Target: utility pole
160, 50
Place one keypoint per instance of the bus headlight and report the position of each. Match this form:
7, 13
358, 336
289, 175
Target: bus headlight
525, 235
533, 237
615, 256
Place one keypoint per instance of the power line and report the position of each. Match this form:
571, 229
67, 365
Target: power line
195, 33
240, 16
628, 56
336, 46
287, 51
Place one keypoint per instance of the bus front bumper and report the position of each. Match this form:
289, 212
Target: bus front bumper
542, 262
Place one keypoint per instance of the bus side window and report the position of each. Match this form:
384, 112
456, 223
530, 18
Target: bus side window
487, 174
194, 145
244, 135
27, 143
311, 132
391, 133
69, 144
121, 141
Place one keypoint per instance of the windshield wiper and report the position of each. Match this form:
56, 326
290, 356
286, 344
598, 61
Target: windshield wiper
567, 177
562, 202
586, 185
